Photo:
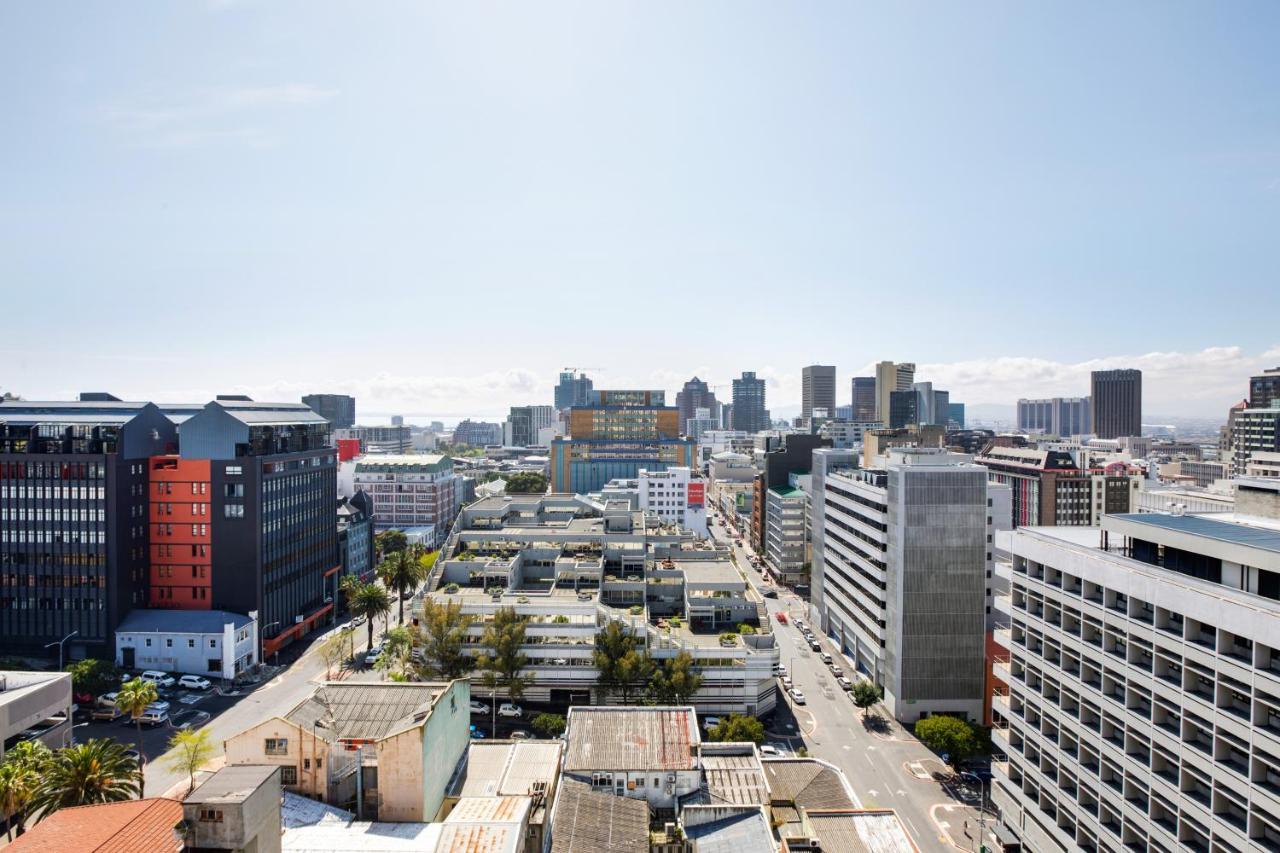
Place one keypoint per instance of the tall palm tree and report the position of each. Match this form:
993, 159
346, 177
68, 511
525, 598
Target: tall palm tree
133, 699
19, 777
403, 571
370, 601
99, 771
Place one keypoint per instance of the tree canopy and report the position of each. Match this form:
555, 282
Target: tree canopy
391, 541
950, 736
94, 676
370, 601
623, 661
527, 483
865, 694
98, 771
191, 749
736, 728
443, 637
504, 661
676, 681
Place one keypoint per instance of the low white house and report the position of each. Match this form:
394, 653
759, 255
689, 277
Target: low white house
212, 643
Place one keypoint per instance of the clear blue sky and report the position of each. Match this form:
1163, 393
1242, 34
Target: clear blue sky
437, 207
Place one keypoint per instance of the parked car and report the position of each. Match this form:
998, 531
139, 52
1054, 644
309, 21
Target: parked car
786, 682
510, 709
134, 754
768, 750
799, 623
520, 734
106, 712
782, 617
836, 671
769, 592
780, 669
479, 707
826, 658
371, 657
845, 684
158, 678
560, 662
108, 700
813, 645
476, 734
154, 717
797, 695
194, 682
710, 723
359, 620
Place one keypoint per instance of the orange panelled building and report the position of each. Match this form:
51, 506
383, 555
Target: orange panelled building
179, 502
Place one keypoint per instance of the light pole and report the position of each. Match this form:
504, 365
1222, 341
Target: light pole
982, 805
267, 627
59, 644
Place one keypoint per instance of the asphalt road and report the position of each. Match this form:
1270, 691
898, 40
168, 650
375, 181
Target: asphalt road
887, 768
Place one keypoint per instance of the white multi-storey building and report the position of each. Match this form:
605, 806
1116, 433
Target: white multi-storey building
411, 491
676, 496
1142, 707
906, 550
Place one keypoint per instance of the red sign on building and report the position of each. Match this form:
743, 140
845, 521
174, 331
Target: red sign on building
697, 495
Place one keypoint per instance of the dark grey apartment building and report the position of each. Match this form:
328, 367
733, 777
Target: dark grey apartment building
864, 399
749, 409
818, 389
1117, 403
73, 519
338, 409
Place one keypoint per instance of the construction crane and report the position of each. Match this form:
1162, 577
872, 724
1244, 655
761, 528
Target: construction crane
580, 369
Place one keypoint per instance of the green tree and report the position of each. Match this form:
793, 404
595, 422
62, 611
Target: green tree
676, 681
549, 725
622, 660
396, 650
333, 651
191, 749
20, 774
370, 601
444, 636
402, 572
133, 699
99, 771
93, 676
391, 541
865, 695
527, 483
950, 736
348, 586
736, 728
502, 664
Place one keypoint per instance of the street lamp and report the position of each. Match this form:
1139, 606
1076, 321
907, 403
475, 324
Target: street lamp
59, 645
982, 805
263, 634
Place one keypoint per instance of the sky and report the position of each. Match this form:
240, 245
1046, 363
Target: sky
436, 207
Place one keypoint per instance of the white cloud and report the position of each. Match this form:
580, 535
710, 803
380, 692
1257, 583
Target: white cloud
227, 116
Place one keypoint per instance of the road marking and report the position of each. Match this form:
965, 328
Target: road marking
869, 761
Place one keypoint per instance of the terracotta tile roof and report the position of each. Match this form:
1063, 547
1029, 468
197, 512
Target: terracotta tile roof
127, 827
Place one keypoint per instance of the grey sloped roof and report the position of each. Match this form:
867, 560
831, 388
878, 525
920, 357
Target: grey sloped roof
805, 784
597, 822
180, 621
373, 711
624, 738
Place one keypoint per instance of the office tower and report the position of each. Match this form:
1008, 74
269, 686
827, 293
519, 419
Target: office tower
1061, 416
397, 420
573, 390
891, 377
477, 433
749, 412
903, 408
700, 424
242, 517
625, 431
788, 455
73, 522
338, 409
1254, 431
1050, 488
525, 422
695, 395
1117, 402
1140, 704
864, 399
905, 553
818, 389
1264, 390
932, 405
826, 461
421, 491
955, 415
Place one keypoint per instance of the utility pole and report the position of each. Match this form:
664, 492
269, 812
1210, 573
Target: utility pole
59, 644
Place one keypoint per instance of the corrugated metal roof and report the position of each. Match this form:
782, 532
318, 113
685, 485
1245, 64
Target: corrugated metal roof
531, 762
1222, 531
180, 621
363, 710
598, 823
735, 779
631, 739
871, 831
476, 838
490, 810
805, 784
746, 832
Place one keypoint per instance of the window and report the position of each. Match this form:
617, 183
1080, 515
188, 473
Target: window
148, 642
276, 746
234, 470
234, 510
215, 665
211, 815
168, 642
213, 644
191, 644
288, 775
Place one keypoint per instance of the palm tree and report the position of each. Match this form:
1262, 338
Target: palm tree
370, 601
19, 777
133, 699
99, 771
403, 571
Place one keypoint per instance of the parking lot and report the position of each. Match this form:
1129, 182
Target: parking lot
187, 709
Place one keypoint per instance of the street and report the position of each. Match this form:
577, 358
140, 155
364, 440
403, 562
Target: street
886, 766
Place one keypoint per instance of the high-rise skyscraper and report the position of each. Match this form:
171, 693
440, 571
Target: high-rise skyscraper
693, 396
623, 432
1062, 416
818, 389
573, 390
891, 377
864, 399
1264, 389
1117, 403
749, 412
338, 409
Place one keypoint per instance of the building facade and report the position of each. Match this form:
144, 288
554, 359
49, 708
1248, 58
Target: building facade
1061, 416
572, 390
377, 439
676, 496
1143, 700
211, 643
624, 432
1254, 431
817, 389
1116, 397
524, 423
477, 433
864, 399
891, 377
693, 396
1050, 488
411, 491
906, 551
826, 461
338, 409
750, 411
1264, 390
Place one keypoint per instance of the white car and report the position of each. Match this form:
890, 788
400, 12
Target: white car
768, 750
710, 723
797, 696
510, 709
781, 669
108, 700
153, 718
845, 684
786, 682
479, 707
372, 656
194, 682
158, 678
359, 620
